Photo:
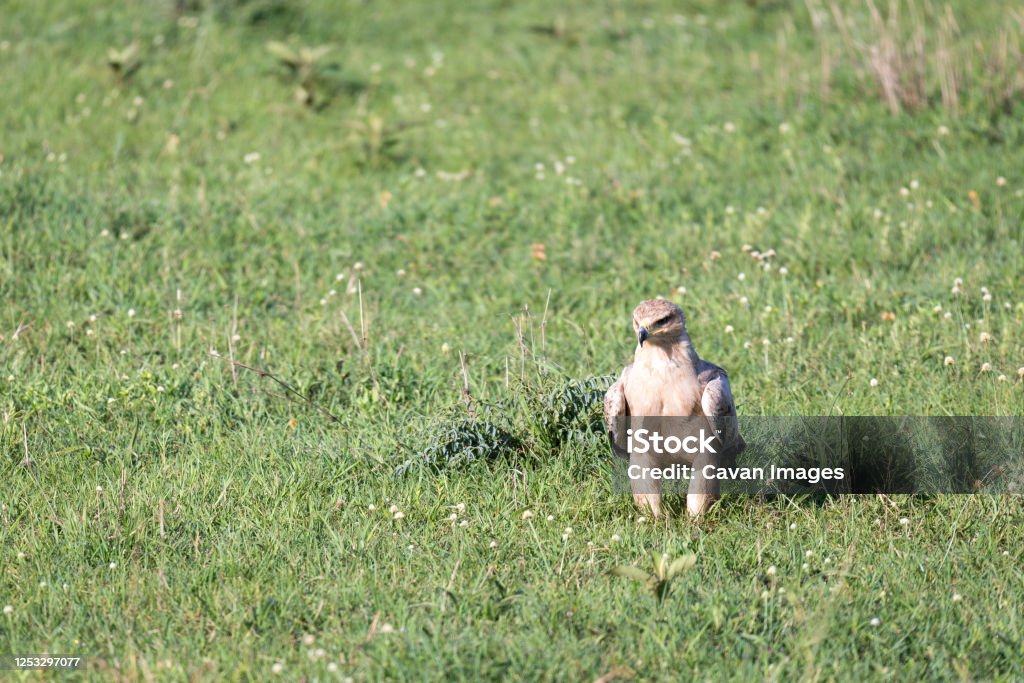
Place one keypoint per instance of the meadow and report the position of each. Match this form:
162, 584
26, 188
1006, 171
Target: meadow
306, 305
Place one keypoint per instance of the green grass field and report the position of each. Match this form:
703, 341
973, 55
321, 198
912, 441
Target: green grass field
477, 194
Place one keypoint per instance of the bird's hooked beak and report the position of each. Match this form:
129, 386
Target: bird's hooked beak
643, 335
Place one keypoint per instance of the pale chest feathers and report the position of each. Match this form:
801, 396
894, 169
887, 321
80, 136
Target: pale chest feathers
663, 387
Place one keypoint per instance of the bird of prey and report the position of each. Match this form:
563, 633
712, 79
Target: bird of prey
668, 379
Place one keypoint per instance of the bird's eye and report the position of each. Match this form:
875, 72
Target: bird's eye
661, 321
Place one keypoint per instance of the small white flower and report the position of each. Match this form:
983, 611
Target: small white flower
527, 514
493, 544
728, 329
387, 628
729, 127
937, 308
904, 192
42, 584
416, 291
461, 507
914, 184
113, 565
949, 360
568, 531
1001, 181
641, 519
399, 515
251, 157
277, 667
805, 566
772, 571
131, 312
551, 518
160, 388
984, 337
393, 509
904, 520
99, 489
741, 276
21, 556
464, 523
792, 526
947, 315
308, 639
8, 609
783, 270
332, 666
616, 538
873, 382
1002, 378
875, 621
371, 507
986, 367
766, 342
957, 597
454, 517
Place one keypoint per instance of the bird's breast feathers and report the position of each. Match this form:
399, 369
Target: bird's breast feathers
667, 388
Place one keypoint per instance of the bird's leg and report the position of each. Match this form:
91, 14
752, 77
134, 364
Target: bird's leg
703, 492
649, 500
646, 489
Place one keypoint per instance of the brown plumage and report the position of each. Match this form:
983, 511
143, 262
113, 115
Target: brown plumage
668, 379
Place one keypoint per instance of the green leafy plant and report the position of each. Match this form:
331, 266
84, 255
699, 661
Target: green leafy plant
124, 62
305, 65
660, 582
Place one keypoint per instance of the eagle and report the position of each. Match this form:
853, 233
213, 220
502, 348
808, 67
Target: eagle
667, 379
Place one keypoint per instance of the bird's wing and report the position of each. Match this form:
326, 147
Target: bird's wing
718, 406
616, 408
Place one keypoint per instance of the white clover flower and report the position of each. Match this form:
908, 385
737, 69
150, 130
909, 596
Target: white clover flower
904, 520
399, 515
1020, 372
772, 571
873, 382
766, 342
729, 127
1001, 181
741, 276
1002, 378
493, 544
904, 192
371, 507
783, 270
947, 315
728, 329
113, 565
277, 667
948, 360
986, 367
8, 609
937, 309
454, 517
527, 514
131, 312
308, 639
393, 509
957, 597
914, 184
805, 566
464, 523
416, 291
251, 157
386, 628
551, 518
875, 621
616, 538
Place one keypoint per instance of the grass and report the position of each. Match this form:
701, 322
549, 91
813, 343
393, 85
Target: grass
475, 196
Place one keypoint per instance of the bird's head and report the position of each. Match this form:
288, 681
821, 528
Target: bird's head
658, 321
